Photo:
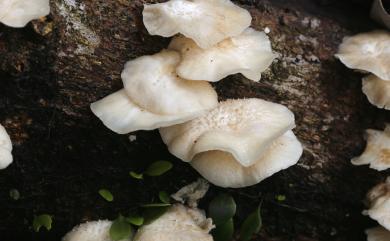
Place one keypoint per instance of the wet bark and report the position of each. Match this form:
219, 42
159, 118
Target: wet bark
54, 68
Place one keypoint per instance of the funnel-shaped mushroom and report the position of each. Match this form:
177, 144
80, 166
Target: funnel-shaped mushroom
377, 91
17, 13
154, 96
367, 51
5, 148
207, 22
377, 152
236, 139
179, 223
249, 54
378, 200
378, 234
91, 231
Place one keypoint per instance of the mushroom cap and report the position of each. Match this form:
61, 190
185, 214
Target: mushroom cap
367, 51
377, 91
17, 13
245, 128
91, 231
207, 22
121, 115
378, 234
223, 170
377, 151
249, 54
152, 83
5, 148
378, 199
177, 224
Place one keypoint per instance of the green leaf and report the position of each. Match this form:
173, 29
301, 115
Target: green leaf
164, 197
280, 198
106, 194
251, 225
224, 232
135, 220
156, 205
14, 194
120, 229
44, 220
222, 208
136, 175
153, 213
158, 168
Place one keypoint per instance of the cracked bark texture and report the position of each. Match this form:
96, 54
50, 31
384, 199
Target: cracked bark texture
54, 68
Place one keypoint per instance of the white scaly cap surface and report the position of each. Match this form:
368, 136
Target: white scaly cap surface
17, 13
377, 91
378, 199
378, 234
368, 52
91, 231
245, 128
249, 53
179, 223
5, 148
207, 22
154, 96
377, 151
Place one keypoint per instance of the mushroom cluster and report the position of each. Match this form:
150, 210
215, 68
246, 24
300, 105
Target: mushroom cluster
245, 140
378, 200
370, 52
5, 148
17, 13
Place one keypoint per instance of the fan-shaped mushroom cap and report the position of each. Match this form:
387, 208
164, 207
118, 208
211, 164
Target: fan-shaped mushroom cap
91, 231
367, 51
378, 200
378, 234
154, 96
377, 91
223, 170
377, 152
17, 13
249, 53
245, 128
5, 148
207, 22
177, 224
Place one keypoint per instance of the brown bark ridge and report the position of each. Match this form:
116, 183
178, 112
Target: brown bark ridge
54, 68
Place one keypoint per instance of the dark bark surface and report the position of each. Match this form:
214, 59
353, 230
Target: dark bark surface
54, 68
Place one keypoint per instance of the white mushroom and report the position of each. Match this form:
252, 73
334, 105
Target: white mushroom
378, 234
17, 13
232, 144
249, 53
377, 152
154, 96
5, 148
179, 223
377, 91
378, 200
207, 22
91, 231
368, 52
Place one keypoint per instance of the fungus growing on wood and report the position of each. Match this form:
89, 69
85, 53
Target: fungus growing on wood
377, 91
236, 139
207, 22
249, 54
377, 152
17, 13
368, 52
378, 200
179, 223
154, 96
5, 148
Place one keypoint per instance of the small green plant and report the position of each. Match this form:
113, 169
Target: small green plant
251, 225
155, 169
121, 229
106, 194
44, 220
222, 210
